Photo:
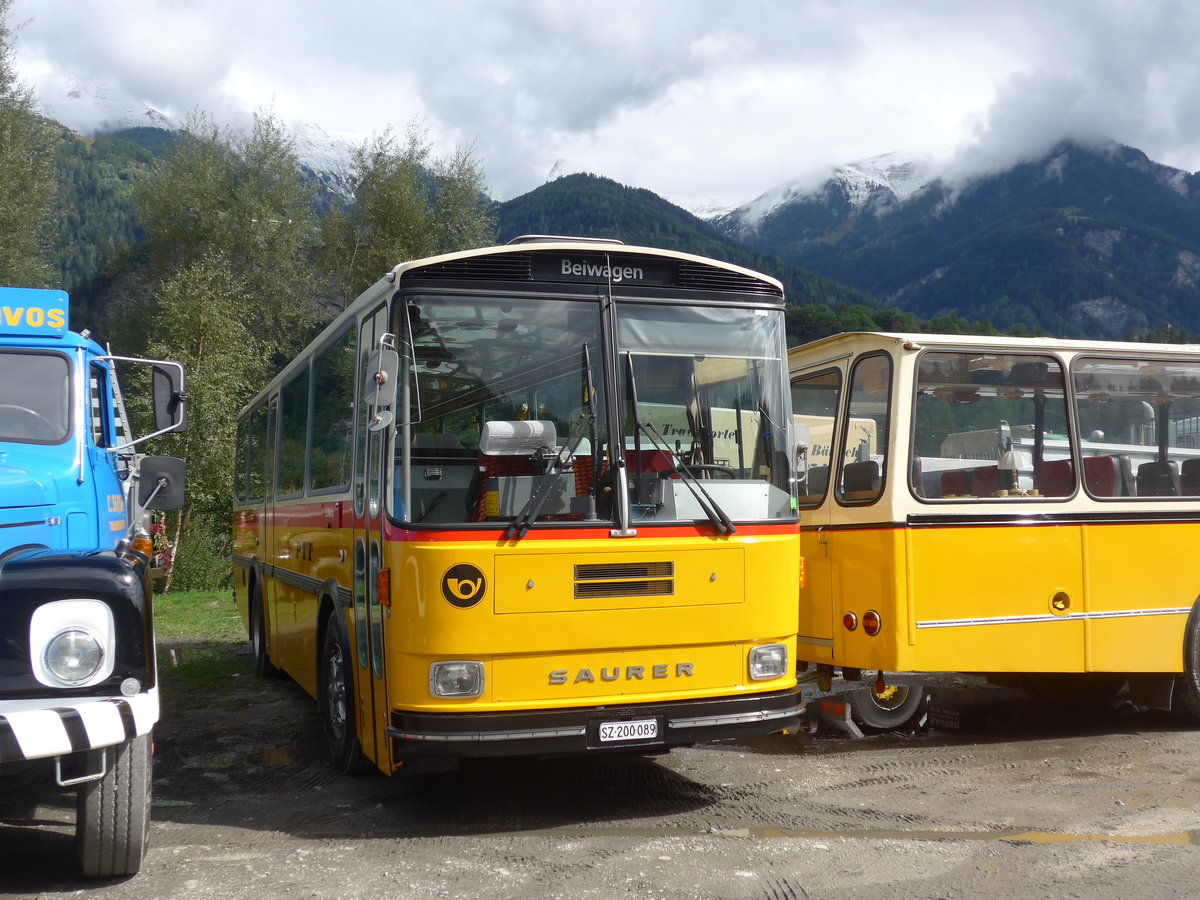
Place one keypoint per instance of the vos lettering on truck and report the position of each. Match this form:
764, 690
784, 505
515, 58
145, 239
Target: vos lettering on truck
78, 686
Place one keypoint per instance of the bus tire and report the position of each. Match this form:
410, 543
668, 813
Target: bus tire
263, 666
1186, 693
335, 692
897, 707
112, 819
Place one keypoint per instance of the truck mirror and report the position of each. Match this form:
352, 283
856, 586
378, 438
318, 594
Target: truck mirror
160, 483
170, 400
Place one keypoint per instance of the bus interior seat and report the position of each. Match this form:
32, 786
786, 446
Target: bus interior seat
1102, 475
1054, 477
918, 476
1189, 477
860, 480
985, 481
815, 483
1158, 478
956, 483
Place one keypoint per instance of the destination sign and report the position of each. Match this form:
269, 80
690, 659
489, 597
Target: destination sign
596, 268
33, 312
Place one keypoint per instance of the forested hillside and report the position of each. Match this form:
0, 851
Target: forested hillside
1089, 241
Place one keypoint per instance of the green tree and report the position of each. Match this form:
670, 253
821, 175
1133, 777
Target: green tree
26, 175
406, 205
229, 292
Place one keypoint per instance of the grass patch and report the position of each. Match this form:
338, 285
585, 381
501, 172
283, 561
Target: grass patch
202, 647
197, 616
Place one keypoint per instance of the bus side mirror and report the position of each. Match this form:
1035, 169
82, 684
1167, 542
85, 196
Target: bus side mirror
170, 400
379, 390
160, 483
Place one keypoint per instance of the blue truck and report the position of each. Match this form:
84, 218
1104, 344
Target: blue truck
78, 679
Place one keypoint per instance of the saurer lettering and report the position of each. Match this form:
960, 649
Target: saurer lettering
616, 673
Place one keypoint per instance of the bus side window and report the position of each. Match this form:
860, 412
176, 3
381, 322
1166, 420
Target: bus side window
865, 431
815, 400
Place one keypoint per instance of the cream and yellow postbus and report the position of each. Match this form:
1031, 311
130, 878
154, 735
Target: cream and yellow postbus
1022, 508
532, 499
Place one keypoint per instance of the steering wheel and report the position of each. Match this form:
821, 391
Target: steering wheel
31, 428
708, 468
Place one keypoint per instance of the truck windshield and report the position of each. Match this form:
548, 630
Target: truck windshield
33, 397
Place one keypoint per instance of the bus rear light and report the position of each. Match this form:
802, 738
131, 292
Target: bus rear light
456, 678
871, 622
850, 621
803, 574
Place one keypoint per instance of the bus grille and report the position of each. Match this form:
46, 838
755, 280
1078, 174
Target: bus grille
501, 267
649, 579
710, 278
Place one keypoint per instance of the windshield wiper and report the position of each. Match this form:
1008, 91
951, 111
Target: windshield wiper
717, 516
556, 467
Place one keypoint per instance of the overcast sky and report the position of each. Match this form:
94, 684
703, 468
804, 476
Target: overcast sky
697, 100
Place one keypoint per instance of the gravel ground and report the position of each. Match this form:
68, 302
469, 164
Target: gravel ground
1030, 802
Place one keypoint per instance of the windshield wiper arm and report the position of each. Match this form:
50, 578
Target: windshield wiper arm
717, 516
557, 467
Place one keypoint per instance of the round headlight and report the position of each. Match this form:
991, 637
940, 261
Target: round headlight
73, 656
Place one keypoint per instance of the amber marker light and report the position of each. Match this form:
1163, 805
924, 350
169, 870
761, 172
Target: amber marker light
384, 583
850, 620
871, 622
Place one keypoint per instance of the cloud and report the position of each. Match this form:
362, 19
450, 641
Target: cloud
697, 99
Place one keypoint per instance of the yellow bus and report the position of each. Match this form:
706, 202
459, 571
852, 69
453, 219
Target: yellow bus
531, 499
1021, 508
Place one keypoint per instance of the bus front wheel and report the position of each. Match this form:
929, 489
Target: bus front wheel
335, 694
112, 820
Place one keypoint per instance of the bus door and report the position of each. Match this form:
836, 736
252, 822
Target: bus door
995, 556
816, 398
369, 611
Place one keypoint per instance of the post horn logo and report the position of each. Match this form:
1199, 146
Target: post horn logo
463, 585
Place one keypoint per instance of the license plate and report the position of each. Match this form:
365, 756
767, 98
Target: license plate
634, 730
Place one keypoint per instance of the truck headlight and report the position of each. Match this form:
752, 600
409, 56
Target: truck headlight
456, 678
72, 643
768, 661
73, 656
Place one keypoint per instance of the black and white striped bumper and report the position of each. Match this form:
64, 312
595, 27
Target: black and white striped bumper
36, 729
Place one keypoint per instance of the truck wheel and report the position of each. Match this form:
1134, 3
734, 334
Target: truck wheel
258, 635
112, 821
896, 707
335, 693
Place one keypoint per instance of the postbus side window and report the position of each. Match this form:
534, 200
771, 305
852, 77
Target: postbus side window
257, 453
293, 433
815, 401
241, 446
333, 414
1139, 426
990, 425
865, 431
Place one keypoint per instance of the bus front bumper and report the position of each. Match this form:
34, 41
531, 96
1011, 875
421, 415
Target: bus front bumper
593, 729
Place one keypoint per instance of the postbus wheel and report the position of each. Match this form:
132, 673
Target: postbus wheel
335, 693
258, 635
1186, 693
112, 818
897, 706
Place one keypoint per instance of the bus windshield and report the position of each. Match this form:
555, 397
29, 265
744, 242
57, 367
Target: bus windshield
34, 394
510, 412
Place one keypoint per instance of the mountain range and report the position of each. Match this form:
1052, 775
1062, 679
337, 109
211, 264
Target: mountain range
1088, 240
